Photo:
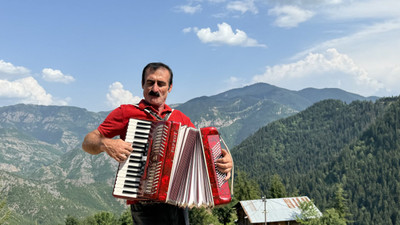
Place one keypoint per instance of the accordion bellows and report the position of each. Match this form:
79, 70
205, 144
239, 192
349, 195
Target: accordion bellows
173, 164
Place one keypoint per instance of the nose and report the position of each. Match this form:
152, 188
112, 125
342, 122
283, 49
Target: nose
155, 87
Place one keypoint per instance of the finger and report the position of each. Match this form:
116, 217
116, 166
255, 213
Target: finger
126, 153
226, 157
121, 157
224, 168
128, 146
228, 175
224, 165
124, 157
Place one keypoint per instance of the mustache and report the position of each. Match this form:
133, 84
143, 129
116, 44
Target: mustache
156, 94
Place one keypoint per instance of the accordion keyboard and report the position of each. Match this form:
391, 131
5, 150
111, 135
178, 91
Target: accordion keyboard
129, 172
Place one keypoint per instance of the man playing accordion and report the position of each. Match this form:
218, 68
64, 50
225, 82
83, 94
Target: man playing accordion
156, 83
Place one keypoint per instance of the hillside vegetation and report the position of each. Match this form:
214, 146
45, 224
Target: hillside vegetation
355, 145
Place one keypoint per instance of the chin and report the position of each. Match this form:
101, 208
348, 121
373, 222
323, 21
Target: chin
156, 102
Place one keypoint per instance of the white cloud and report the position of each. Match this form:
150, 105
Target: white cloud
117, 96
187, 30
225, 35
190, 9
26, 90
375, 48
234, 82
52, 75
290, 16
216, 1
364, 9
327, 69
18, 86
8, 70
243, 6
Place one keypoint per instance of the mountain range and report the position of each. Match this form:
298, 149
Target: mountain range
240, 112
45, 175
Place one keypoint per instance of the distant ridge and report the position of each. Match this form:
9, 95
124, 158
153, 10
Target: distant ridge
239, 112
316, 95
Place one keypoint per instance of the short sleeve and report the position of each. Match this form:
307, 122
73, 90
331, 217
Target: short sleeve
113, 125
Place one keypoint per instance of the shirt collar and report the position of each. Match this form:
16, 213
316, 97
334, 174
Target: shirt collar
143, 105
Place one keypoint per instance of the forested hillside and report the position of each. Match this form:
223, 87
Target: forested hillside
356, 145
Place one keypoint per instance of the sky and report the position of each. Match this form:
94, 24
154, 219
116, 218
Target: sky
90, 53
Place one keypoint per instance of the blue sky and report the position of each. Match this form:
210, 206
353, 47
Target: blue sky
91, 53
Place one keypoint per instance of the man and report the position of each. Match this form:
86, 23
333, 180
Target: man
157, 84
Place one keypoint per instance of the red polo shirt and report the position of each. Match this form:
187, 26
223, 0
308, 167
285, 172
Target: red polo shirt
116, 122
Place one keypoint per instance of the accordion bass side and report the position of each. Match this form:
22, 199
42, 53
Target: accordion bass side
173, 164
212, 150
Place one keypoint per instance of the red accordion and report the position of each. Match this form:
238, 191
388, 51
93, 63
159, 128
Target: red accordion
173, 164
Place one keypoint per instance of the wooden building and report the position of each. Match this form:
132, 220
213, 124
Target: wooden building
280, 211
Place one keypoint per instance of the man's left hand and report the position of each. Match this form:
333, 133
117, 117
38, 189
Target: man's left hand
224, 164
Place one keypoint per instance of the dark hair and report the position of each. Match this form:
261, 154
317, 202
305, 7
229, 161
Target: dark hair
151, 67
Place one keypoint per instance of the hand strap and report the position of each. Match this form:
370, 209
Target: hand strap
233, 166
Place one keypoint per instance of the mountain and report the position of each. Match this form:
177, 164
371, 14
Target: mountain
45, 175
33, 135
240, 112
43, 171
332, 143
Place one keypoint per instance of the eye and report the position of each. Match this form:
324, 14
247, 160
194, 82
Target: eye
161, 83
150, 82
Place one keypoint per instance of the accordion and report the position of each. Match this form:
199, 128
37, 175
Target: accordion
172, 164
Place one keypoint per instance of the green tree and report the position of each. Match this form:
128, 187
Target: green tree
70, 220
246, 188
331, 217
201, 216
341, 203
105, 218
125, 218
309, 213
223, 213
277, 189
311, 216
5, 213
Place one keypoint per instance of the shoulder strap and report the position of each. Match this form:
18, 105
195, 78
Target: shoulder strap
158, 117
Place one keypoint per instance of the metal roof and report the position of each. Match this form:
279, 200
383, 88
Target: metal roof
278, 209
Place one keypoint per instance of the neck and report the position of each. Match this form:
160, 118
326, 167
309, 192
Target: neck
159, 109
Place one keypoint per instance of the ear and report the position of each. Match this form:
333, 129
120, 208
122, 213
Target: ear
170, 88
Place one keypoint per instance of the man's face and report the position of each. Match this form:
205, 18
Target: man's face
156, 86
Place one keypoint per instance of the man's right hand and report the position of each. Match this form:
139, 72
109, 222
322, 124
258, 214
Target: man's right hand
116, 149
95, 143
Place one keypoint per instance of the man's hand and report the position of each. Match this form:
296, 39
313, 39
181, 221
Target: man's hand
117, 149
225, 163
95, 143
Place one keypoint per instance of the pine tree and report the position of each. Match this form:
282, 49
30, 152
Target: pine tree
246, 188
341, 203
277, 189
